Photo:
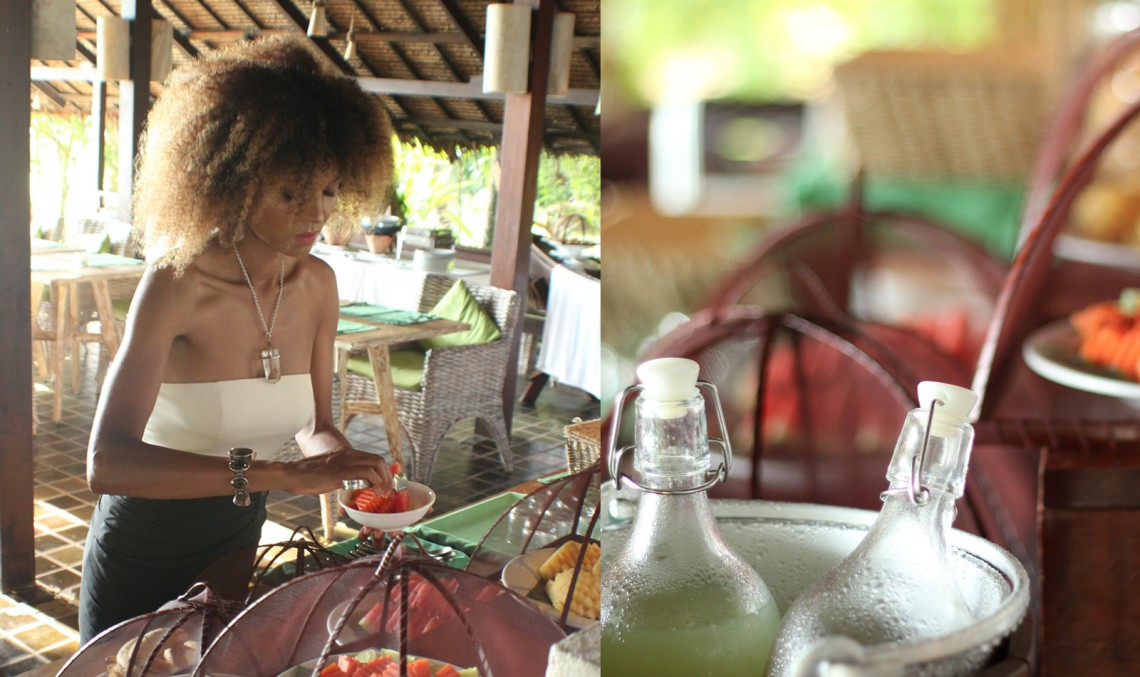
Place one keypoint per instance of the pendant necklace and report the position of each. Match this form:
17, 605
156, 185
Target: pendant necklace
270, 357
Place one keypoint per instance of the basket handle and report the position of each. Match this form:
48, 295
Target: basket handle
1066, 126
1013, 313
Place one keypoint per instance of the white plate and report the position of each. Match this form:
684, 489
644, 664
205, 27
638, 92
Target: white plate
422, 499
351, 630
1051, 352
521, 575
1112, 254
306, 668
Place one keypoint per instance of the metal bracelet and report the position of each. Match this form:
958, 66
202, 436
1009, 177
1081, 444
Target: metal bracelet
240, 461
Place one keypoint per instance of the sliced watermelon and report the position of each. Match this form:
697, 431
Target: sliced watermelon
371, 620
401, 502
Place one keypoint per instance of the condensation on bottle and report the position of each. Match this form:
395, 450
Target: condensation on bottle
898, 585
677, 599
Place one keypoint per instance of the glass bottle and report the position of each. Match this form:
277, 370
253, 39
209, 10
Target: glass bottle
677, 600
898, 584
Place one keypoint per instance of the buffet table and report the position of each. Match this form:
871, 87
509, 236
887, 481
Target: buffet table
374, 278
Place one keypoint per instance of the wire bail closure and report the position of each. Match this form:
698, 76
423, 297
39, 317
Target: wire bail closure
918, 493
616, 455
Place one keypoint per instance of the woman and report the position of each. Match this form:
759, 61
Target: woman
229, 341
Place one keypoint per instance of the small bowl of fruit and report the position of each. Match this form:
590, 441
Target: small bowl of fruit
400, 509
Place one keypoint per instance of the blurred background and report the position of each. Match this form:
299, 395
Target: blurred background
727, 121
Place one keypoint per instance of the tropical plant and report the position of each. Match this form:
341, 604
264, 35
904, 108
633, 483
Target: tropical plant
458, 191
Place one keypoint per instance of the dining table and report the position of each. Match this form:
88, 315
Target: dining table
373, 329
67, 273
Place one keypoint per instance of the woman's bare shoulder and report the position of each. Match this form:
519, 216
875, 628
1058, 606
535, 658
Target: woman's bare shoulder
317, 273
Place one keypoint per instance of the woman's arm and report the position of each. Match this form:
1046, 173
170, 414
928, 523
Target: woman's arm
119, 462
322, 435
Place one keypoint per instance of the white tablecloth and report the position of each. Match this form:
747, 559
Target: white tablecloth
571, 338
368, 278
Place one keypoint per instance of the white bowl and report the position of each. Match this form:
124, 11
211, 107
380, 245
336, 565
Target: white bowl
573, 250
422, 499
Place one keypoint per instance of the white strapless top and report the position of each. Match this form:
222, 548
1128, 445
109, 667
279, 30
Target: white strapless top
210, 418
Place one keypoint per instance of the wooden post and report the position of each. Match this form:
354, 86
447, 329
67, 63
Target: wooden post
134, 98
99, 125
523, 125
17, 533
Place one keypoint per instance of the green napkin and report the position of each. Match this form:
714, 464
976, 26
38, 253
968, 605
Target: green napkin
350, 327
458, 560
464, 528
385, 315
103, 260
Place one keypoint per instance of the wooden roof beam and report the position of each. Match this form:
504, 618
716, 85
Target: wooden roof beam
463, 90
395, 37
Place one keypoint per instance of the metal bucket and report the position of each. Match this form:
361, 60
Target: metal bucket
793, 544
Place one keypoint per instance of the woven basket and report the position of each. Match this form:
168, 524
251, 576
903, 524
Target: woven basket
583, 444
919, 115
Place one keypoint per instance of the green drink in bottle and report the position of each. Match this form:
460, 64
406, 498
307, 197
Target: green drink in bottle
677, 600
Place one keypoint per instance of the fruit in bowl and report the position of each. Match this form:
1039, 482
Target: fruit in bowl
387, 513
573, 249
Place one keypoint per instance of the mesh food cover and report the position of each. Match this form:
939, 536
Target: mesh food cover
398, 607
248, 574
564, 508
167, 642
545, 548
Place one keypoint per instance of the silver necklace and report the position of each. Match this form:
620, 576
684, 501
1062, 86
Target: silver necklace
270, 357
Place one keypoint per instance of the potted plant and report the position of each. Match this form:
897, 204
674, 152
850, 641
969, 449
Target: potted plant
381, 234
571, 244
337, 231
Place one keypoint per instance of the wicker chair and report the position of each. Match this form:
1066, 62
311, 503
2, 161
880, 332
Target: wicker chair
459, 382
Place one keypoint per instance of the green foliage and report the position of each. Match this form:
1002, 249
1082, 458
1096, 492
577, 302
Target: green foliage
569, 185
58, 145
434, 189
770, 50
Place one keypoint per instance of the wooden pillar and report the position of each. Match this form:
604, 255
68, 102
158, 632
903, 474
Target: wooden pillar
523, 125
17, 533
99, 126
134, 98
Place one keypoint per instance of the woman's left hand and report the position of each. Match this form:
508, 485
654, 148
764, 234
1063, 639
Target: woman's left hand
327, 471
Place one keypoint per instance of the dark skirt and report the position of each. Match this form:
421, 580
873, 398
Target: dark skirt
142, 553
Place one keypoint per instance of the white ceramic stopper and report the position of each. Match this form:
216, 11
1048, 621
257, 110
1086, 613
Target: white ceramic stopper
955, 405
668, 380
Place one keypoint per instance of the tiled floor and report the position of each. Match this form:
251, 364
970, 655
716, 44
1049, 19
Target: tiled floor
468, 468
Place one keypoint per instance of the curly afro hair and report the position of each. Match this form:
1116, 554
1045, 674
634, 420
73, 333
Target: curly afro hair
264, 110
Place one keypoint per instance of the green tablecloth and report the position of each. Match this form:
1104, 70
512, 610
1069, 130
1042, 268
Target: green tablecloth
461, 529
988, 212
465, 527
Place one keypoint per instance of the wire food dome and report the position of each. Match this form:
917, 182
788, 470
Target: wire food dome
402, 601
167, 642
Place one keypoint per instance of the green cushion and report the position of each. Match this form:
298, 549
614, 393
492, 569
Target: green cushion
105, 246
407, 368
120, 308
458, 304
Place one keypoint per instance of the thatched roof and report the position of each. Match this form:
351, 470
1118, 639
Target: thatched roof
423, 58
